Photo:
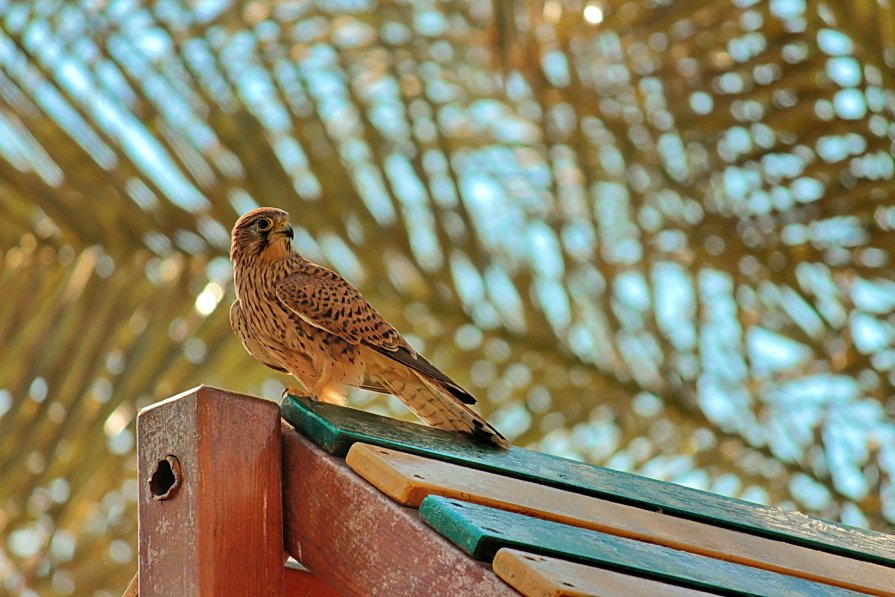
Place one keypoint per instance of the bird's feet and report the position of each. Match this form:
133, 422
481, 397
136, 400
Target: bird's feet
299, 393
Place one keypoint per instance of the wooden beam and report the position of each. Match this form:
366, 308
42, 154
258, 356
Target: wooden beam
301, 582
361, 542
210, 510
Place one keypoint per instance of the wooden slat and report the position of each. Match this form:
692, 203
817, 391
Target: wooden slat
535, 575
362, 543
336, 428
219, 531
481, 531
409, 478
131, 590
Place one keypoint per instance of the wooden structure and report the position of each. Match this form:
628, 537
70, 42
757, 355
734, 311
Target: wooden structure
375, 506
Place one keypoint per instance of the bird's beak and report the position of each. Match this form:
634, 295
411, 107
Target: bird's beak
286, 230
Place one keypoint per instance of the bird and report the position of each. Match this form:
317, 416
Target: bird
300, 318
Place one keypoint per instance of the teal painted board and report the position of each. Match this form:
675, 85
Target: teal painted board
335, 429
480, 531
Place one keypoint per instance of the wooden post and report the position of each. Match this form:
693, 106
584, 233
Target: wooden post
210, 506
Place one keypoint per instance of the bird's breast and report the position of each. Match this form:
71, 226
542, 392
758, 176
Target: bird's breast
281, 329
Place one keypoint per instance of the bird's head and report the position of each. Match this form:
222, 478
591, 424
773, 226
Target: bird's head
262, 233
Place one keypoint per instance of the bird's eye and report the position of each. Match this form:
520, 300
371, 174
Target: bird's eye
263, 224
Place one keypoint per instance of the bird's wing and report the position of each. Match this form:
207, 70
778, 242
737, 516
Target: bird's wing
249, 341
325, 300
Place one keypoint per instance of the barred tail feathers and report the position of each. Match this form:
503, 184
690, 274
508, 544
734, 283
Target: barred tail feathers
438, 408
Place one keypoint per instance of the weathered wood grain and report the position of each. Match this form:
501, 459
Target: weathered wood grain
481, 531
409, 478
336, 428
219, 531
535, 575
362, 543
303, 583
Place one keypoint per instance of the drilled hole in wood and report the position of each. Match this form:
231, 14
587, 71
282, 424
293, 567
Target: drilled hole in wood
165, 479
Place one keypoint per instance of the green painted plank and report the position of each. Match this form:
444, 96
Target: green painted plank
336, 428
480, 531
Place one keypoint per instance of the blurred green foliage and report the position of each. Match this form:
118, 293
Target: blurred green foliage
652, 235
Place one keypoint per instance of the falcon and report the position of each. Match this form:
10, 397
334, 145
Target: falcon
301, 318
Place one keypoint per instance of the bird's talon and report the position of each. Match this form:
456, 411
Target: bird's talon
298, 392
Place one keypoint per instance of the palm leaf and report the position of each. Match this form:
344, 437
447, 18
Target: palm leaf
660, 242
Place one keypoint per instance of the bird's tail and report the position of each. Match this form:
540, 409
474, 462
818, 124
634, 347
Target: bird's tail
438, 408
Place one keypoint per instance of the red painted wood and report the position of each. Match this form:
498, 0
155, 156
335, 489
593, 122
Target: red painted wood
303, 583
361, 542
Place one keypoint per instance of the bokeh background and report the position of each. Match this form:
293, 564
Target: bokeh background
653, 235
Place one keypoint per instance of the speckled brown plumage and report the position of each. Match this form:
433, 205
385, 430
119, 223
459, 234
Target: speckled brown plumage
298, 317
